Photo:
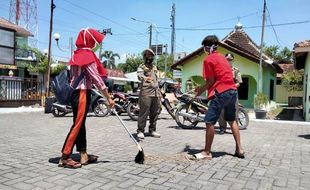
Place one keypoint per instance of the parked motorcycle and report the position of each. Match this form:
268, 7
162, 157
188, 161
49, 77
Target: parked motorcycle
98, 105
123, 101
191, 110
165, 101
133, 107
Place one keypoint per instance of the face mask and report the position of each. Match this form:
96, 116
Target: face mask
149, 60
97, 46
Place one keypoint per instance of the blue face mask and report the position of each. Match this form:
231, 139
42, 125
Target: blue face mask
97, 46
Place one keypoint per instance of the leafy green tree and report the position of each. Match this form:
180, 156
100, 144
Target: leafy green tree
131, 65
276, 54
41, 64
161, 64
57, 69
293, 80
110, 56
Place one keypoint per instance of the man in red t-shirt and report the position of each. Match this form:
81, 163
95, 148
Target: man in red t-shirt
222, 92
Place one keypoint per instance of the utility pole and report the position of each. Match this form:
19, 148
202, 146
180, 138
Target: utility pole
260, 74
150, 42
173, 30
105, 32
166, 54
53, 6
71, 46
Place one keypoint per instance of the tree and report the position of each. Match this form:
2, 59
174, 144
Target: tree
131, 65
110, 56
276, 54
293, 80
161, 64
41, 63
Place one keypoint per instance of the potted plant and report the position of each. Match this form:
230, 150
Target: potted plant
260, 103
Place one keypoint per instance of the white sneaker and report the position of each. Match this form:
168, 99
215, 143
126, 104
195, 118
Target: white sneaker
155, 134
140, 135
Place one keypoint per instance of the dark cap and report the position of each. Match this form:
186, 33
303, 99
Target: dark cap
210, 40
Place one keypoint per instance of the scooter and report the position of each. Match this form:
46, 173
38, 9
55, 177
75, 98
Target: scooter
98, 105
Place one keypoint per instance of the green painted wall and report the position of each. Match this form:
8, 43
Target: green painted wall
307, 89
247, 68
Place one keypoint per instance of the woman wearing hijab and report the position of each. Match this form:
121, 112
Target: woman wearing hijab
85, 63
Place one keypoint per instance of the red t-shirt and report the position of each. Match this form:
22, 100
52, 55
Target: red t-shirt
215, 65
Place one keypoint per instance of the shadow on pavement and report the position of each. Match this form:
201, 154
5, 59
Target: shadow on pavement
305, 136
192, 151
77, 158
291, 114
180, 128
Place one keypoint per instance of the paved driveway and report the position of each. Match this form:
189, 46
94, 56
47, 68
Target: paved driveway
277, 156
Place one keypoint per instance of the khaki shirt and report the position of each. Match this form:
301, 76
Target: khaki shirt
148, 88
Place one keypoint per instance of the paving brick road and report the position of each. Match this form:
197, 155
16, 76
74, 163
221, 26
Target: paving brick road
277, 156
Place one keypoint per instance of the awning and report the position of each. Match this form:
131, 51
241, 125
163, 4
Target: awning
122, 79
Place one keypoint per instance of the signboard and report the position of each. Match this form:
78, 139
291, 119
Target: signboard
159, 49
177, 74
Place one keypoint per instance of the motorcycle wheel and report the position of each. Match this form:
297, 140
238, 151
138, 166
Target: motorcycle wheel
101, 109
242, 119
57, 113
133, 111
184, 122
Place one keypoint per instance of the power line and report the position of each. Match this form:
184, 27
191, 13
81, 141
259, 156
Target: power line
274, 31
105, 18
139, 39
226, 20
247, 27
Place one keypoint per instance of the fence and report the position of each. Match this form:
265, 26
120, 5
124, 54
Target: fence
13, 89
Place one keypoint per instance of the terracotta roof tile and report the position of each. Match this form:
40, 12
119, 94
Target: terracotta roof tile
20, 31
240, 40
115, 73
237, 41
305, 43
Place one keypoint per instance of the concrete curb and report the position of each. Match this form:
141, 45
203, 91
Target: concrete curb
281, 121
20, 110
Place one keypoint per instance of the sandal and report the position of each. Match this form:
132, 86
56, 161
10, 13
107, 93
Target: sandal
69, 163
239, 155
200, 156
91, 159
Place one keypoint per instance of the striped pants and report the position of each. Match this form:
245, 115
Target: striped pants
77, 134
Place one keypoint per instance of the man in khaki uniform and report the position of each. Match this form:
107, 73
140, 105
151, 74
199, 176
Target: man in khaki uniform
149, 97
238, 81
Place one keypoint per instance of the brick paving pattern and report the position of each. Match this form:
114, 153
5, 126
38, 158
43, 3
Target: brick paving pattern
277, 156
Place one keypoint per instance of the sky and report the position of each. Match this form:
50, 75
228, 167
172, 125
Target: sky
194, 19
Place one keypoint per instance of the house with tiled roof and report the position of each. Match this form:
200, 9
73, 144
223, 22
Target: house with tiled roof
283, 95
246, 54
302, 61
